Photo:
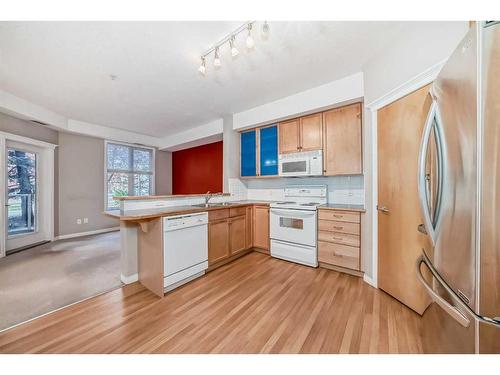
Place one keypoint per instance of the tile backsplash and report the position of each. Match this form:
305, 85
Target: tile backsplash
341, 189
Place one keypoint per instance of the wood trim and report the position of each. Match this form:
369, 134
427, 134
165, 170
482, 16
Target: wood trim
341, 269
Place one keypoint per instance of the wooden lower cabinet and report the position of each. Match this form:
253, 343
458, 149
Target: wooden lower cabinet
237, 234
339, 239
218, 244
261, 227
230, 232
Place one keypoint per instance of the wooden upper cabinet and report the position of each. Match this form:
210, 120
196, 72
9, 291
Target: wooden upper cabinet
342, 141
289, 132
311, 132
261, 227
218, 244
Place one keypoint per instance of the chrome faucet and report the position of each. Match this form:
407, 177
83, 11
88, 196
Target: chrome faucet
208, 196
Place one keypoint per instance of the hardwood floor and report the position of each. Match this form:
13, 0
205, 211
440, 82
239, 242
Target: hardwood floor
256, 304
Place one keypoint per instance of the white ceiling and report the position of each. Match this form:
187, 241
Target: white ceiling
66, 67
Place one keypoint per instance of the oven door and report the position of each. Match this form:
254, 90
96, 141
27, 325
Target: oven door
294, 166
295, 226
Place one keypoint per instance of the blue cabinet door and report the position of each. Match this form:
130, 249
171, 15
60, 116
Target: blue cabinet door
248, 153
269, 151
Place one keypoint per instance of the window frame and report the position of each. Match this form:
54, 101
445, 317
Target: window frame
133, 147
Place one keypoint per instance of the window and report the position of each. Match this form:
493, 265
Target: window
129, 171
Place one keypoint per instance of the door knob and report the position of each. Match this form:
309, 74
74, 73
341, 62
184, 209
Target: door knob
383, 209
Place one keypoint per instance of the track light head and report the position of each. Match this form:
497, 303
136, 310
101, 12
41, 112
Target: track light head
234, 50
265, 30
202, 69
217, 62
250, 42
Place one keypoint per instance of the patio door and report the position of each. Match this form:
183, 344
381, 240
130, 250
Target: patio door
26, 194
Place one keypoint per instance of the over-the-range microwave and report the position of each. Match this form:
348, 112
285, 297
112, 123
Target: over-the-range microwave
307, 163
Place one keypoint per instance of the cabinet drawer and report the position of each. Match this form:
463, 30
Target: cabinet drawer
339, 226
237, 211
340, 238
339, 255
218, 214
350, 217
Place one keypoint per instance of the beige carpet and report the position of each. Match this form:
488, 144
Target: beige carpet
47, 277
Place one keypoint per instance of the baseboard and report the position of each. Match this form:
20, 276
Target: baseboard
89, 233
129, 279
367, 279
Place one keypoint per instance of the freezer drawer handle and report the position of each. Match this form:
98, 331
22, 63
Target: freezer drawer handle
455, 314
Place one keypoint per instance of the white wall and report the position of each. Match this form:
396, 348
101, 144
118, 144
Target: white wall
313, 100
403, 60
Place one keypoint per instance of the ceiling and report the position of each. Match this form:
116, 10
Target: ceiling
66, 67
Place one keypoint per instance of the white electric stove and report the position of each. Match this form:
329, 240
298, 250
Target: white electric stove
293, 224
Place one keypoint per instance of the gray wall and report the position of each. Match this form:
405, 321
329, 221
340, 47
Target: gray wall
25, 128
81, 184
163, 173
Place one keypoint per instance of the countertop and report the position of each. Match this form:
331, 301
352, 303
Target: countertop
150, 213
343, 207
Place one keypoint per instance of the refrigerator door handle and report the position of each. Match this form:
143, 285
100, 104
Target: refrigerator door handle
423, 177
451, 310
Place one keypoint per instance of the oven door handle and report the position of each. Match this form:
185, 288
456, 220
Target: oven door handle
292, 213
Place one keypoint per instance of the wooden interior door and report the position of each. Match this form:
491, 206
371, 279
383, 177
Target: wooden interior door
399, 130
289, 136
342, 141
311, 132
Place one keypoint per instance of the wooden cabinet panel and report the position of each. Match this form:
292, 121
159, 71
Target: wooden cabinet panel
311, 133
289, 136
249, 231
218, 214
261, 227
218, 244
237, 237
340, 238
237, 211
351, 217
339, 255
339, 226
342, 140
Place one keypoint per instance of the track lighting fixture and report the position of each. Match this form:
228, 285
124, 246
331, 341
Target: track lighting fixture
250, 42
231, 40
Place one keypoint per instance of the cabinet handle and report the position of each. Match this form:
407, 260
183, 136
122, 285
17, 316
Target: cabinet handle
338, 238
337, 255
339, 216
336, 227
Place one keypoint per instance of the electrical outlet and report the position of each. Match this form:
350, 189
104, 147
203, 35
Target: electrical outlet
78, 221
85, 220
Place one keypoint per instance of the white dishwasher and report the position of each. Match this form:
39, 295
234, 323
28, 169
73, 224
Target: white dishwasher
185, 248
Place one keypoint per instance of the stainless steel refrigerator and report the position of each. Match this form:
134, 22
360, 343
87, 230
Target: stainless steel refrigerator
459, 188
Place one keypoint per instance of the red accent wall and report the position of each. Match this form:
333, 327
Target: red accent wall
197, 170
